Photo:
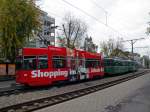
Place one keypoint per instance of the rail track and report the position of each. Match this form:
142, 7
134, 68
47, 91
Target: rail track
16, 89
53, 100
9, 90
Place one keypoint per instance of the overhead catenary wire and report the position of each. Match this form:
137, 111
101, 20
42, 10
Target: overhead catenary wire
90, 15
139, 47
83, 12
93, 1
79, 9
132, 42
96, 19
100, 7
93, 17
106, 13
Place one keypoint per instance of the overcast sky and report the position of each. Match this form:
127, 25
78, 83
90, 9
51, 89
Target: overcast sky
128, 17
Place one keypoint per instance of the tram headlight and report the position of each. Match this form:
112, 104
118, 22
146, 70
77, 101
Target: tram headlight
25, 75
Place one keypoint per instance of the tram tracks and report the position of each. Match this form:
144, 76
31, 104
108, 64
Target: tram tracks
49, 101
16, 89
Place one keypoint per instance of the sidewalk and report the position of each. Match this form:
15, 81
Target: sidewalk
139, 101
130, 96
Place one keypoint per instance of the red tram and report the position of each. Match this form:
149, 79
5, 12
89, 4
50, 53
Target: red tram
44, 66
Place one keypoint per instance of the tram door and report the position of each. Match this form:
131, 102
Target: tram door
82, 70
73, 76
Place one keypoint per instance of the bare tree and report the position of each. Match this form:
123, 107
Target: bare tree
43, 39
74, 30
112, 48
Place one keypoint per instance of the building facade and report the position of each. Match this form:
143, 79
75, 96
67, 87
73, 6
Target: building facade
46, 36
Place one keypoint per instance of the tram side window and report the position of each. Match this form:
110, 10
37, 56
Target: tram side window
108, 62
92, 63
102, 63
96, 63
87, 64
73, 64
59, 62
30, 62
42, 62
105, 62
117, 63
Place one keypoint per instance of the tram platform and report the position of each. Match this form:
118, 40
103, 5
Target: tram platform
130, 96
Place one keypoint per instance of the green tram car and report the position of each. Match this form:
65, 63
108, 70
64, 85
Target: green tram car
119, 66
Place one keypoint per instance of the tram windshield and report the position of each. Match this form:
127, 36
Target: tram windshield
19, 63
31, 62
26, 63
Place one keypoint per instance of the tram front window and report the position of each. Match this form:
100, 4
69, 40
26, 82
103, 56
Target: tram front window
19, 63
42, 62
29, 62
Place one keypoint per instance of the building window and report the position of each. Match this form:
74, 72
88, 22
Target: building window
45, 33
52, 25
40, 42
52, 34
45, 23
48, 33
48, 23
